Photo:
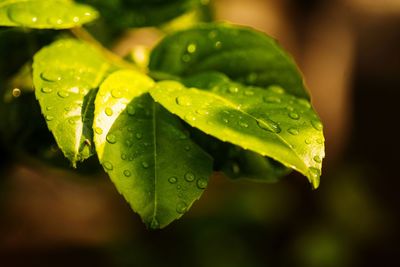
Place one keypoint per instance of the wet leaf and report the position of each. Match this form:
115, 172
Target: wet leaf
66, 76
146, 151
45, 14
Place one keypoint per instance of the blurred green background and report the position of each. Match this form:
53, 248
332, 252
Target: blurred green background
349, 53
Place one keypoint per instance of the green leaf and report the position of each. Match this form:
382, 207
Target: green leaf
45, 14
141, 13
245, 55
66, 76
268, 121
146, 151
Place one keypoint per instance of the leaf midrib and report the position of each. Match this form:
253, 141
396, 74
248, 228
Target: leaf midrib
155, 202
234, 106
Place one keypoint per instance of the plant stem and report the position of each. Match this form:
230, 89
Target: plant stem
84, 35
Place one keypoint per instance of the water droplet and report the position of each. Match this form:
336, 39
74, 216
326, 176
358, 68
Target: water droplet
183, 101
55, 21
202, 183
181, 207
63, 94
269, 125
139, 136
72, 121
108, 111
190, 117
128, 143
46, 90
111, 138
187, 148
272, 99
225, 120
294, 115
189, 177
293, 131
49, 108
202, 112
308, 141
173, 180
314, 172
317, 159
276, 89
145, 164
50, 76
317, 125
49, 118
131, 110
243, 124
191, 48
124, 156
16, 92
98, 130
108, 165
320, 141
218, 44
116, 93
127, 173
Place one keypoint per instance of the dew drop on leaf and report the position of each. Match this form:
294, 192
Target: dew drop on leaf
308, 141
181, 207
172, 180
183, 101
49, 118
276, 89
50, 76
111, 138
63, 94
127, 173
98, 130
202, 183
269, 125
139, 136
218, 45
145, 164
233, 89
108, 111
131, 110
243, 124
189, 177
116, 93
46, 90
271, 99
108, 165
294, 115
317, 159
293, 131
317, 125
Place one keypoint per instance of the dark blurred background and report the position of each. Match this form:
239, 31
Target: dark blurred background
349, 51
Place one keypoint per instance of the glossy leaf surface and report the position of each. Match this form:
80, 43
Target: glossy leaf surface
141, 13
66, 76
45, 14
146, 151
268, 121
245, 55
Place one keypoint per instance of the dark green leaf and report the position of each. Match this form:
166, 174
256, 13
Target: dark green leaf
141, 13
146, 151
45, 14
245, 55
66, 76
268, 121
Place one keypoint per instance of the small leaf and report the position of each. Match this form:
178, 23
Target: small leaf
245, 55
45, 14
146, 151
267, 121
66, 76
